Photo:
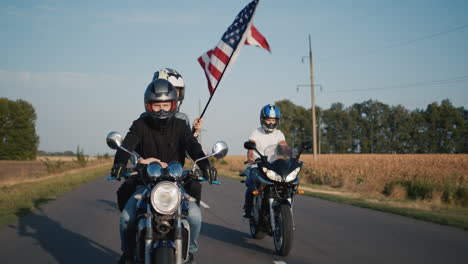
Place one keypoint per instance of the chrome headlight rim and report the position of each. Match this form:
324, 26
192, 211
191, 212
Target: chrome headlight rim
166, 197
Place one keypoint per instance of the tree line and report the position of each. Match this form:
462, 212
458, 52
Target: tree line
18, 138
375, 127
367, 127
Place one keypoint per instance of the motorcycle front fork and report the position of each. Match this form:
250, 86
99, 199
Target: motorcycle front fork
272, 213
148, 235
178, 238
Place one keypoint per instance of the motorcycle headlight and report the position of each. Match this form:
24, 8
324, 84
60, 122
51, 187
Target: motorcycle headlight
175, 169
271, 174
165, 197
293, 174
154, 169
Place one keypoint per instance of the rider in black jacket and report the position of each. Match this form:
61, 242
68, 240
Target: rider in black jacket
175, 78
159, 136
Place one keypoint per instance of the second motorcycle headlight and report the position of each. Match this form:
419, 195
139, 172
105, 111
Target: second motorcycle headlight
165, 197
293, 174
275, 177
272, 175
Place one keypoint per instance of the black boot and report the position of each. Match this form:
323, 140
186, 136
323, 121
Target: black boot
191, 259
126, 258
247, 213
248, 205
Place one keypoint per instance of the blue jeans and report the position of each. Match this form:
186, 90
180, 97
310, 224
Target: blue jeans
251, 185
194, 219
128, 220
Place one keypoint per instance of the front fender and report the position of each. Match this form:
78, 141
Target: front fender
280, 202
164, 243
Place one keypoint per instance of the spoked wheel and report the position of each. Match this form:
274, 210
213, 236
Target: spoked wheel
255, 231
163, 255
283, 233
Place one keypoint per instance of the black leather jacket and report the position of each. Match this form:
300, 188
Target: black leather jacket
168, 142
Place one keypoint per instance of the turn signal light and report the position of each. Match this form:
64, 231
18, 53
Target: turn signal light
255, 192
300, 191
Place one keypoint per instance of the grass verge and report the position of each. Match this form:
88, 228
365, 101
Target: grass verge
455, 217
445, 215
21, 199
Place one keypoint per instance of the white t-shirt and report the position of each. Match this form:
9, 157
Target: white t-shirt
264, 140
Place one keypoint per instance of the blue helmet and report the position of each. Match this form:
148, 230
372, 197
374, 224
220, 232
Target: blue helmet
269, 111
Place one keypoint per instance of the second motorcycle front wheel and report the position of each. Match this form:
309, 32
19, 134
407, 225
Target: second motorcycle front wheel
283, 233
163, 255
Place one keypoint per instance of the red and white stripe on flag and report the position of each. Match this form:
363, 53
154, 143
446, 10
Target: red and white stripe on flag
215, 61
254, 38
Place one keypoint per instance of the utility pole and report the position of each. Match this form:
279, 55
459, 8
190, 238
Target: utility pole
312, 87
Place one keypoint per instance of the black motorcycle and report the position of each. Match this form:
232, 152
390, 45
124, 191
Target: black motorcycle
163, 233
277, 181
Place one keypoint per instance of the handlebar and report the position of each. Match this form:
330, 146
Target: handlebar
198, 173
125, 175
205, 179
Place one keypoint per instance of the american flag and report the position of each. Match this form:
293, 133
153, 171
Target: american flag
216, 61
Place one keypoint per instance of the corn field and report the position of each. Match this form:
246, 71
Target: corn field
438, 178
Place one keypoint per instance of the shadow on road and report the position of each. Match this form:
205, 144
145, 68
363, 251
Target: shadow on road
234, 237
110, 206
62, 244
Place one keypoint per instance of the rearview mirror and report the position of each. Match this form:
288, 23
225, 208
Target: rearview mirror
250, 145
220, 149
114, 140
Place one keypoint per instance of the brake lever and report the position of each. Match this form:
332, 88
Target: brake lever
125, 175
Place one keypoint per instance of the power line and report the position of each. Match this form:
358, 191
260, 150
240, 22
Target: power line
403, 43
409, 85
407, 42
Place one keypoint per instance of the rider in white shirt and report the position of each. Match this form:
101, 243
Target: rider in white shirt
264, 136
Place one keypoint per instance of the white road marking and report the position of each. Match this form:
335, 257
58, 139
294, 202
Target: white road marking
202, 203
279, 262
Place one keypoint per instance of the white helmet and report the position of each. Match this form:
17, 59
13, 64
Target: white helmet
175, 79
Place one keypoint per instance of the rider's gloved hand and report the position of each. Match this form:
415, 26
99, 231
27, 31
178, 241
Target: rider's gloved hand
211, 174
118, 170
197, 174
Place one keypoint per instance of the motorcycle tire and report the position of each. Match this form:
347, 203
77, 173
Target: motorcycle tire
163, 255
283, 234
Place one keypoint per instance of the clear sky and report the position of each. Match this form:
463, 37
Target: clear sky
84, 65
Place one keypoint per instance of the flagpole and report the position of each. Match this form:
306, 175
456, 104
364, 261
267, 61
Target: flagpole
227, 64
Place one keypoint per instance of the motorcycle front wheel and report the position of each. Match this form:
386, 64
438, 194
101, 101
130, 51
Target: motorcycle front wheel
283, 233
163, 255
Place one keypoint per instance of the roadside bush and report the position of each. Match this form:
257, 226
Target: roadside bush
414, 189
81, 159
451, 193
462, 195
54, 166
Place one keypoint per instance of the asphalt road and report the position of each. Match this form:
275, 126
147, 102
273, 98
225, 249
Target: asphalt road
82, 227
